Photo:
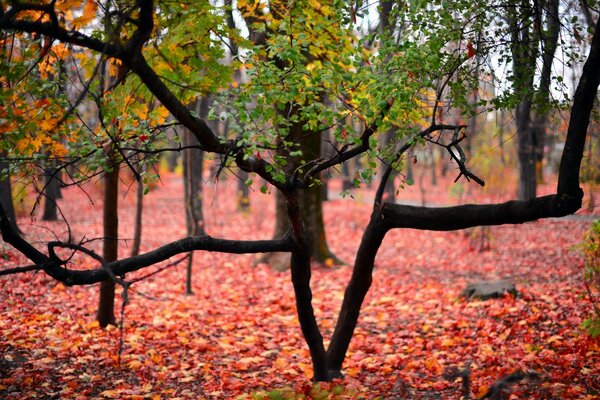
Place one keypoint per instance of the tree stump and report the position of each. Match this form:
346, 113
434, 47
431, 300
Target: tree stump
485, 290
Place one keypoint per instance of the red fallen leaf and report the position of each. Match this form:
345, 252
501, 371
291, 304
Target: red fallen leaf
440, 385
415, 287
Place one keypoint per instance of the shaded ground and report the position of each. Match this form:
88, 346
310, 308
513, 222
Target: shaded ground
239, 332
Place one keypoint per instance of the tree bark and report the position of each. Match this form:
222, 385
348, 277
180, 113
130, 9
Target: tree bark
51, 193
550, 43
360, 282
106, 304
137, 223
193, 160
6, 194
301, 274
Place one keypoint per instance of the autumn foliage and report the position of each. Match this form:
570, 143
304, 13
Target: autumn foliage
239, 333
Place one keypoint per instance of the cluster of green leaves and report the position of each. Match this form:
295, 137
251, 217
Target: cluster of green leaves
591, 276
315, 71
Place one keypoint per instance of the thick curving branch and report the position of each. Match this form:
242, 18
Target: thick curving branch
130, 264
470, 215
55, 267
583, 102
50, 29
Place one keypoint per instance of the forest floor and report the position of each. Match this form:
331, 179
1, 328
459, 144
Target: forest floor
239, 332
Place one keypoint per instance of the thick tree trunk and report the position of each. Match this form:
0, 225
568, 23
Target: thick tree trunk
311, 204
106, 304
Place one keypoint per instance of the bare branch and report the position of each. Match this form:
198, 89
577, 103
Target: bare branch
18, 270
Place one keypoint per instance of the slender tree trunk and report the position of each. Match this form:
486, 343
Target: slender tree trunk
51, 194
301, 275
390, 187
360, 282
137, 230
106, 304
525, 40
193, 160
550, 44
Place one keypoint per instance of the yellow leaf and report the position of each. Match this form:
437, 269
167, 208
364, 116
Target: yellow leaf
161, 113
111, 394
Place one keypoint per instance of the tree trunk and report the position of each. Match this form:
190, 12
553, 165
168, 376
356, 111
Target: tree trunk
527, 156
106, 304
51, 193
310, 201
360, 282
390, 187
6, 193
193, 160
137, 229
550, 43
301, 274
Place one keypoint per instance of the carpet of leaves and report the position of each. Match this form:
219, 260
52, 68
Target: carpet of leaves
239, 333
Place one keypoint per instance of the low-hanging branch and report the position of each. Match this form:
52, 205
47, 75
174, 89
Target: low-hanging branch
56, 268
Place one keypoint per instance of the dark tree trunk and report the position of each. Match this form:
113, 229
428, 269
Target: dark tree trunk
6, 193
346, 178
360, 282
51, 193
390, 187
526, 40
311, 204
301, 274
106, 304
526, 146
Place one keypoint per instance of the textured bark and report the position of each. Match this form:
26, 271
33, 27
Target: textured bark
531, 126
310, 200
